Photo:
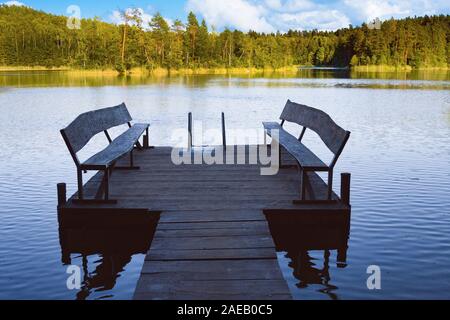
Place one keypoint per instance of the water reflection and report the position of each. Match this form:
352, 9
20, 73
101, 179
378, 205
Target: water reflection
303, 78
105, 245
297, 236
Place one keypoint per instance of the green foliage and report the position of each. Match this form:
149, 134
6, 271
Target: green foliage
30, 38
354, 61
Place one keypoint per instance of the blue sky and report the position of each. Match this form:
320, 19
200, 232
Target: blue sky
258, 15
104, 9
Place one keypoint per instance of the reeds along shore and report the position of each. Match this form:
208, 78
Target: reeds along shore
387, 68
142, 71
152, 71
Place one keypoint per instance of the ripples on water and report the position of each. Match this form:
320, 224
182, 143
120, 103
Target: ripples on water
399, 155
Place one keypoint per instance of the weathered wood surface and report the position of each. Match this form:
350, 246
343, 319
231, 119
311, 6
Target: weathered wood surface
213, 254
307, 159
121, 146
207, 243
212, 240
213, 270
182, 190
318, 121
212, 260
250, 228
89, 124
156, 288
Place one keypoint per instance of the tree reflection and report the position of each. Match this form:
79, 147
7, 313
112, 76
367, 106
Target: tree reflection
107, 242
300, 236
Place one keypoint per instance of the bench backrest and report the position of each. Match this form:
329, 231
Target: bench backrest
89, 124
331, 134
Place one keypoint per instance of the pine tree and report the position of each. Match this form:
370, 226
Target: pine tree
192, 29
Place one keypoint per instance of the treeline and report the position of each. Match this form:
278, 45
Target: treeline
35, 38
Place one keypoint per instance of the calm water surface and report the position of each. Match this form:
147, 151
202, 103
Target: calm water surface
399, 155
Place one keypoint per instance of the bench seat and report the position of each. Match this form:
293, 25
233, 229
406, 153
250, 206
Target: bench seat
304, 156
121, 146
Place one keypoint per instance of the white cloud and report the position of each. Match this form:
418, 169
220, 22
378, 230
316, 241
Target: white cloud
268, 15
289, 5
363, 11
305, 15
371, 9
322, 20
297, 5
13, 3
274, 4
282, 15
241, 14
117, 18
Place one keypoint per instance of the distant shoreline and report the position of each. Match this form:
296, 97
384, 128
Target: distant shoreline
387, 68
156, 71
218, 71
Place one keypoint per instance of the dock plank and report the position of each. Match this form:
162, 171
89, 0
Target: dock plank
212, 215
212, 254
206, 243
150, 288
205, 233
211, 225
204, 270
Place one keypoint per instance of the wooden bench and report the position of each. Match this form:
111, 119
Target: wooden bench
334, 137
78, 134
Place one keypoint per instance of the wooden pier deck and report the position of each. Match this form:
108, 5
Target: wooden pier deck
212, 240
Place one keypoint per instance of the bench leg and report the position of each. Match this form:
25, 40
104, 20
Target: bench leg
80, 184
303, 185
131, 167
330, 185
147, 140
139, 146
280, 163
106, 184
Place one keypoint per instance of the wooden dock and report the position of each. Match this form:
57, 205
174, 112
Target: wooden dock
212, 240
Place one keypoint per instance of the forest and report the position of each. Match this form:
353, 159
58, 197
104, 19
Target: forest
34, 38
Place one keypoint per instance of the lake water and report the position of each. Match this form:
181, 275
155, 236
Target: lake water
399, 156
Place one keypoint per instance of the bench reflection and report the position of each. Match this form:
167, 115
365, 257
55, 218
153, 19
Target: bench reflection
109, 241
299, 235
